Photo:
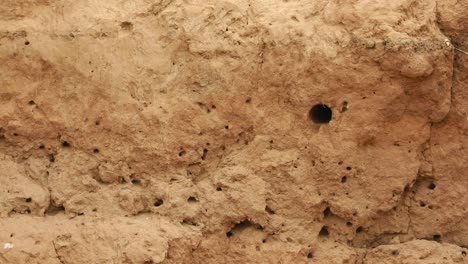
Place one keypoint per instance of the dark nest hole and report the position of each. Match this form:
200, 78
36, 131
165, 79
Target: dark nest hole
327, 212
320, 114
192, 199
158, 203
324, 232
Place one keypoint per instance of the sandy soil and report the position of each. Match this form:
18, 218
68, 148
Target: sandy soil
239, 131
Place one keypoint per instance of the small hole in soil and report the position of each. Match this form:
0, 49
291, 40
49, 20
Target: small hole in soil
28, 200
395, 253
269, 210
136, 181
349, 168
65, 144
219, 189
248, 100
188, 221
344, 179
436, 237
126, 25
205, 153
182, 153
320, 114
226, 127
27, 43
192, 199
422, 204
324, 232
41, 146
464, 253
96, 150
344, 107
97, 123
31, 102
11, 235
349, 224
158, 203
54, 209
432, 186
229, 234
360, 229
51, 158
310, 255
327, 212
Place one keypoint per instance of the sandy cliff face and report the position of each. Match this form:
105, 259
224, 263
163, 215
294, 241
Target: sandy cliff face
170, 131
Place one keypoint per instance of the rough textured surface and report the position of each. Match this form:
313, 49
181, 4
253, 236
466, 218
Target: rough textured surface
177, 131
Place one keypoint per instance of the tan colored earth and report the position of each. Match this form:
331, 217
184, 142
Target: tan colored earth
181, 131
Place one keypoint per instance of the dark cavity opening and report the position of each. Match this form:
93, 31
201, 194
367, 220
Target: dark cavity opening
242, 226
205, 153
28, 200
192, 199
310, 255
126, 25
432, 186
344, 179
436, 238
320, 114
158, 202
136, 181
327, 212
54, 209
344, 107
65, 144
324, 232
269, 210
360, 229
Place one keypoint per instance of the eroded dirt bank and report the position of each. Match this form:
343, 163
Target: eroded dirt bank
179, 131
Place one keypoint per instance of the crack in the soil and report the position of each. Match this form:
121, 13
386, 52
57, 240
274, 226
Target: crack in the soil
56, 253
